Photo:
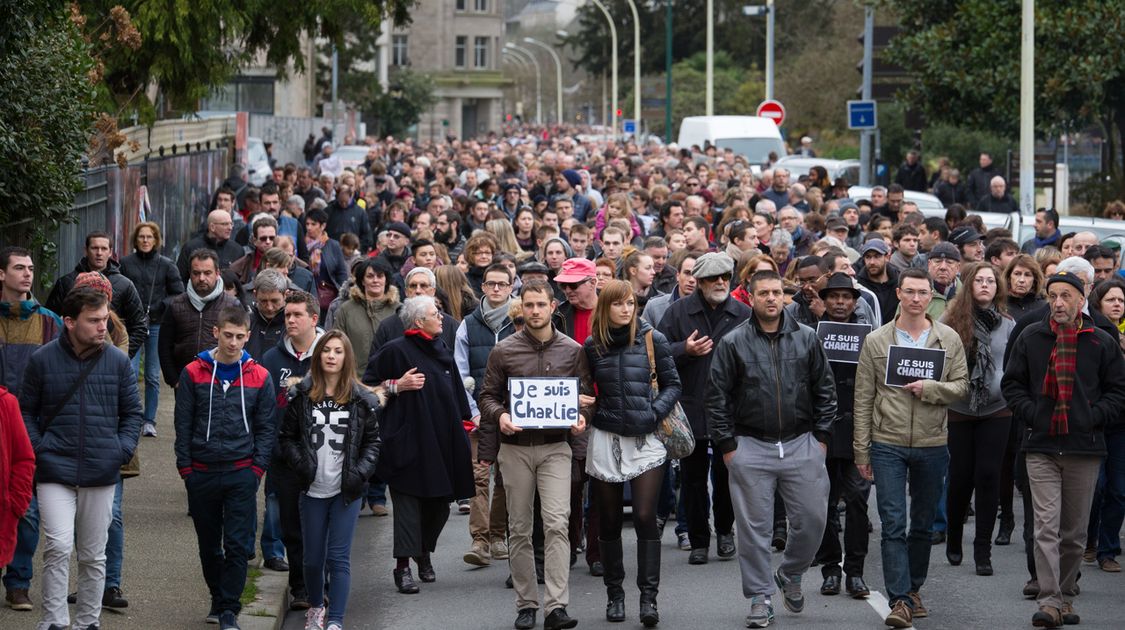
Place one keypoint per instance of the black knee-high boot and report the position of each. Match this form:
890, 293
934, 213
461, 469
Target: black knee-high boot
614, 577
648, 580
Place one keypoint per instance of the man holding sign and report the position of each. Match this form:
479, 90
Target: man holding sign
526, 435
900, 435
842, 330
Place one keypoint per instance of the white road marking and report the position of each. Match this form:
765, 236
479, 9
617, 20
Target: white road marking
879, 603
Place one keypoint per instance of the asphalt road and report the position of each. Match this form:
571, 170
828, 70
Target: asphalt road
696, 597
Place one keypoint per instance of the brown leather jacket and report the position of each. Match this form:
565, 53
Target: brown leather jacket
523, 355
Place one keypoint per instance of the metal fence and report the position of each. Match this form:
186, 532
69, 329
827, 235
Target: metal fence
174, 191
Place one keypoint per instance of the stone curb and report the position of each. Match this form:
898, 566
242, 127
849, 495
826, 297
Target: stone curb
267, 611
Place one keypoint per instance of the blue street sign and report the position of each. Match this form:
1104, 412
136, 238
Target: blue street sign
861, 115
629, 126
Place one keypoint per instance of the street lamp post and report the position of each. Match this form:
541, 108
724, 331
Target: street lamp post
636, 63
710, 92
768, 11
613, 63
513, 58
558, 76
538, 80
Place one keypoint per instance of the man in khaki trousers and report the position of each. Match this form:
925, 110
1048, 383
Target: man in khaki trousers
1065, 380
534, 459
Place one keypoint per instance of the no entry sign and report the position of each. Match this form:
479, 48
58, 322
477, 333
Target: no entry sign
773, 110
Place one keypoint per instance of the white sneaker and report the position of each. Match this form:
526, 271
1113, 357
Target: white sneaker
463, 506
334, 625
314, 618
148, 430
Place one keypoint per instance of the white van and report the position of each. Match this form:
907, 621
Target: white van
752, 137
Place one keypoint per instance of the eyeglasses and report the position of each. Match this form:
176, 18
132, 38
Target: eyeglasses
720, 278
418, 285
497, 285
266, 239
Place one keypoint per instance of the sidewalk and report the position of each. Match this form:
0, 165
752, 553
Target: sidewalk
161, 577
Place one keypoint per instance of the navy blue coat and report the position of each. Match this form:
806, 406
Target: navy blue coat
96, 431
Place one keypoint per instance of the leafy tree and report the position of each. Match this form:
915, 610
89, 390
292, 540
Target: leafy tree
46, 85
401, 107
965, 57
188, 48
737, 91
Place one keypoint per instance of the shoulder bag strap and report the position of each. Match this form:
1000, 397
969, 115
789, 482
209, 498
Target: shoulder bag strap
45, 421
651, 360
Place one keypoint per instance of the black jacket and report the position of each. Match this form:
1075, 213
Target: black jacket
1099, 390
840, 445
156, 279
626, 404
96, 431
770, 388
126, 301
885, 291
360, 447
228, 252
911, 177
392, 328
265, 334
1039, 313
979, 182
691, 314
950, 194
351, 219
426, 450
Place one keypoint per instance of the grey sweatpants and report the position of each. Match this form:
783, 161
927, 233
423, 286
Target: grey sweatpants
797, 470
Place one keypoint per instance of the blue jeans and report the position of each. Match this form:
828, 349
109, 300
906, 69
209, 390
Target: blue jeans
939, 514
327, 527
906, 556
376, 492
1108, 509
152, 371
17, 575
115, 545
272, 547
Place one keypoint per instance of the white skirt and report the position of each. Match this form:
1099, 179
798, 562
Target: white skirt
616, 458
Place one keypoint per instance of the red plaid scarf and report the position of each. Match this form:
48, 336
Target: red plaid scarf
1059, 382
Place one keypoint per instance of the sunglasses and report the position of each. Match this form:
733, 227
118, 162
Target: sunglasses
570, 286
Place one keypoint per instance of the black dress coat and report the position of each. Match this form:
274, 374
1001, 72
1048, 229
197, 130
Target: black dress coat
425, 448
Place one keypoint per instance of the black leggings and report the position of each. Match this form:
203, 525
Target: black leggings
610, 500
976, 448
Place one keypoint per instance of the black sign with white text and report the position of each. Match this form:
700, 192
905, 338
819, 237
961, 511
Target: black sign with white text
906, 365
842, 342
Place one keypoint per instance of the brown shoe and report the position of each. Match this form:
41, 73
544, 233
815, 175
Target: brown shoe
900, 616
1090, 554
1069, 617
17, 599
919, 610
1047, 617
379, 510
1110, 565
478, 555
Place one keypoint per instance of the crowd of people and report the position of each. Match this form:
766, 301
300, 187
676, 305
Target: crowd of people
338, 334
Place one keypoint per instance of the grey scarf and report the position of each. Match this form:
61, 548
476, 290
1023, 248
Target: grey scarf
199, 302
494, 317
984, 322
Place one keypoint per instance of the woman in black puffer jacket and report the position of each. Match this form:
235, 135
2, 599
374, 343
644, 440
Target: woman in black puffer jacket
330, 437
623, 446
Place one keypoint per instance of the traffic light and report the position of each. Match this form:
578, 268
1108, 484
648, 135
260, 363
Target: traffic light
886, 78
619, 112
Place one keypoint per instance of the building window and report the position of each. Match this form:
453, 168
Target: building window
398, 51
480, 52
461, 4
460, 51
242, 94
481, 5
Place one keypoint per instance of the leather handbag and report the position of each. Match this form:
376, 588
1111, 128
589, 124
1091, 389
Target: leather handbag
674, 430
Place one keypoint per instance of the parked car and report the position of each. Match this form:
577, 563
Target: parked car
752, 137
1106, 229
925, 201
799, 165
352, 155
257, 161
